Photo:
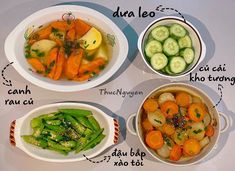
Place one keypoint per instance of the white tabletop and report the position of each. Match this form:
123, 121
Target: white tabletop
214, 20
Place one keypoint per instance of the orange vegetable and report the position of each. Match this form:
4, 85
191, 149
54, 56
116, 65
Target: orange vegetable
150, 105
73, 63
81, 27
168, 129
59, 64
196, 112
191, 147
183, 99
71, 35
51, 60
175, 153
60, 25
36, 64
147, 125
84, 77
154, 139
169, 109
92, 66
40, 34
209, 130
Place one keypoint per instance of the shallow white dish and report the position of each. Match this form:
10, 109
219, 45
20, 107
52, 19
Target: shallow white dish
22, 126
14, 46
197, 42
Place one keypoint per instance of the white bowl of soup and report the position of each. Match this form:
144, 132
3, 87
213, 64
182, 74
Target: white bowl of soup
178, 124
66, 48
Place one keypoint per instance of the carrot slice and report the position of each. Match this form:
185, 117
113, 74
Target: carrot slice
73, 63
191, 147
37, 65
183, 99
210, 131
59, 64
51, 62
81, 27
196, 112
150, 105
84, 77
168, 129
93, 65
40, 34
154, 139
147, 125
175, 153
169, 109
60, 25
71, 34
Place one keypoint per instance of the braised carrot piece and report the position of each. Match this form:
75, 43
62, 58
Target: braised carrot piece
81, 27
169, 109
154, 139
175, 153
183, 99
196, 112
93, 65
147, 125
191, 147
51, 62
210, 131
60, 25
36, 64
73, 63
59, 64
40, 34
150, 105
168, 129
71, 34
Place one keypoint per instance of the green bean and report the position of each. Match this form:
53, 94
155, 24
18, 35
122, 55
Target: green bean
81, 144
87, 132
35, 141
89, 139
84, 121
76, 112
71, 133
93, 143
52, 135
57, 146
49, 116
69, 144
77, 126
56, 128
94, 123
38, 130
53, 122
36, 122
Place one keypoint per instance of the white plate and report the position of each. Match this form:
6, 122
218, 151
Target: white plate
14, 46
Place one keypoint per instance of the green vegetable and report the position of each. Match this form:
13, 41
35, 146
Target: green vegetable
65, 131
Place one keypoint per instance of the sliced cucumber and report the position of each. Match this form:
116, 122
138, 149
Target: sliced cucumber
159, 61
177, 31
168, 70
170, 47
185, 42
177, 64
160, 33
153, 47
188, 55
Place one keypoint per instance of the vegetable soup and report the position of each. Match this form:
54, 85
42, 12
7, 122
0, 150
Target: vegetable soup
69, 49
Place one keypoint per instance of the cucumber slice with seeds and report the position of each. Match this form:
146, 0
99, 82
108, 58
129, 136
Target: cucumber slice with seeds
170, 47
177, 31
159, 61
188, 55
160, 33
177, 64
185, 42
153, 47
